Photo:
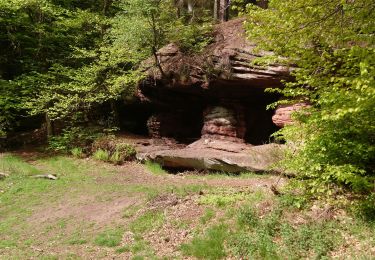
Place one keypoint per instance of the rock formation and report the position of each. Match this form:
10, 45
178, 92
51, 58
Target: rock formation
214, 101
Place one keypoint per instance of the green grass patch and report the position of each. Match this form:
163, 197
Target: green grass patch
155, 168
131, 211
109, 238
123, 249
209, 246
222, 197
148, 221
77, 238
207, 216
272, 237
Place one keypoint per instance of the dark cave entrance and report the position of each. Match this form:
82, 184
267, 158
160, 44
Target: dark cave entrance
180, 115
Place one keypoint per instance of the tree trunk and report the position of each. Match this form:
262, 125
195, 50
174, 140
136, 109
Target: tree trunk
223, 10
216, 9
49, 126
263, 4
190, 6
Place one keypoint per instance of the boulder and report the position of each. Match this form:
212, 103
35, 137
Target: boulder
215, 156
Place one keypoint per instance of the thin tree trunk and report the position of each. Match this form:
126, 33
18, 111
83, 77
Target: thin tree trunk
49, 126
190, 6
155, 45
223, 10
216, 9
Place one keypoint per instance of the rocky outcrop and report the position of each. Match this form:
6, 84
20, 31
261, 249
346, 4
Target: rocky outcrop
283, 113
228, 58
221, 86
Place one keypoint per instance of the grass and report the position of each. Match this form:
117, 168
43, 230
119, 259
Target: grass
207, 216
155, 168
224, 222
109, 238
224, 197
148, 221
209, 246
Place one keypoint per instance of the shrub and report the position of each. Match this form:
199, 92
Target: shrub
123, 152
73, 137
77, 152
118, 152
101, 155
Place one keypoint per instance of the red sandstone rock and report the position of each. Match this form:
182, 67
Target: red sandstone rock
283, 114
223, 123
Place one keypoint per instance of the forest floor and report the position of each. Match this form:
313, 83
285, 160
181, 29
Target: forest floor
96, 210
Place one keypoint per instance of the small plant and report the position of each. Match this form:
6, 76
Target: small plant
101, 155
109, 238
208, 215
77, 152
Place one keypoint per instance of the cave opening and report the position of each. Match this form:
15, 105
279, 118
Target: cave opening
185, 119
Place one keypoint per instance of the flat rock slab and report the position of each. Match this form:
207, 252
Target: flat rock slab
252, 158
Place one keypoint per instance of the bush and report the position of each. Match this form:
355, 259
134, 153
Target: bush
101, 155
77, 152
73, 137
118, 153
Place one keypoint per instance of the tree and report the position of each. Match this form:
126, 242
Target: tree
331, 44
221, 10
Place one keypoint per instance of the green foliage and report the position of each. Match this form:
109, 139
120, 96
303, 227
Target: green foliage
77, 152
101, 155
192, 37
69, 58
332, 46
365, 209
209, 246
109, 238
73, 137
247, 217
